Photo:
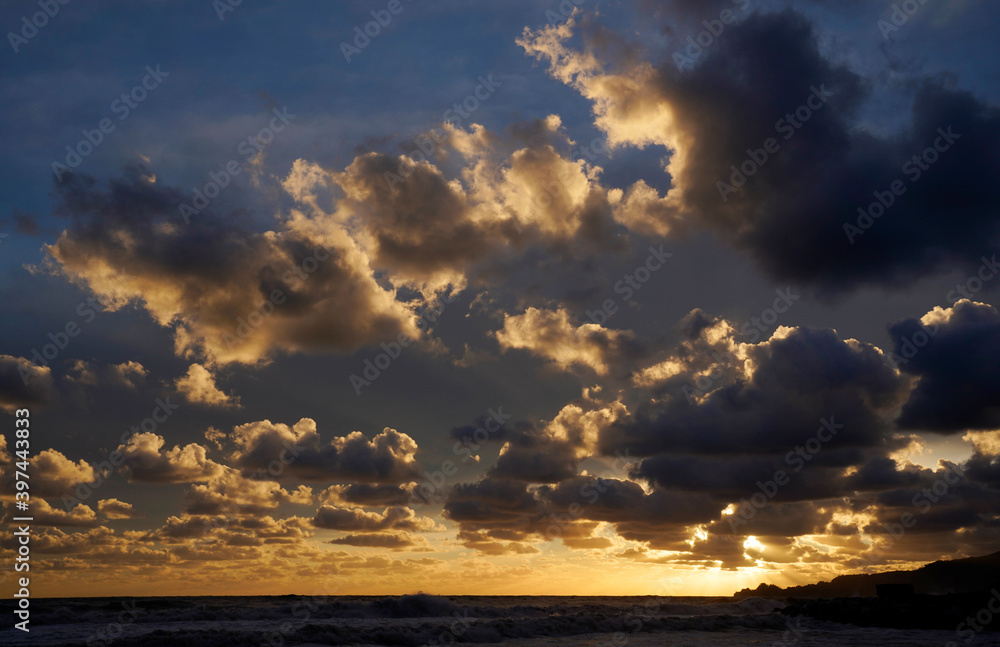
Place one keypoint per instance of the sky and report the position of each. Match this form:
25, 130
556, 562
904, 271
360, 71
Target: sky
577, 297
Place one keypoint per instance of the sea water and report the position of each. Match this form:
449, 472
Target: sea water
413, 620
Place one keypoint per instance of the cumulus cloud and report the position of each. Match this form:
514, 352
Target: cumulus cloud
764, 397
115, 509
710, 419
144, 459
44, 514
198, 386
391, 540
356, 519
51, 473
229, 295
368, 494
387, 458
551, 334
128, 373
954, 352
23, 384
227, 491
510, 206
551, 452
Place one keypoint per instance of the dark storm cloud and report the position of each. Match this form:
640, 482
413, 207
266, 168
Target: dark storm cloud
798, 380
278, 450
531, 456
369, 494
511, 511
819, 409
957, 360
503, 509
745, 90
22, 384
984, 469
145, 459
781, 520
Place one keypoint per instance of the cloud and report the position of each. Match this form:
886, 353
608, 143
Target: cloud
763, 398
708, 420
145, 460
509, 206
393, 541
356, 519
229, 492
492, 511
954, 352
82, 372
128, 373
51, 473
741, 93
22, 384
552, 452
115, 509
387, 458
368, 494
43, 514
228, 294
550, 334
198, 386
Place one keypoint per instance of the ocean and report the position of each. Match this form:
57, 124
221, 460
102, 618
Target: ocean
414, 620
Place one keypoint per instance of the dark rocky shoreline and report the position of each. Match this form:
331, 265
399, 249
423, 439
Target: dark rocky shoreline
958, 611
